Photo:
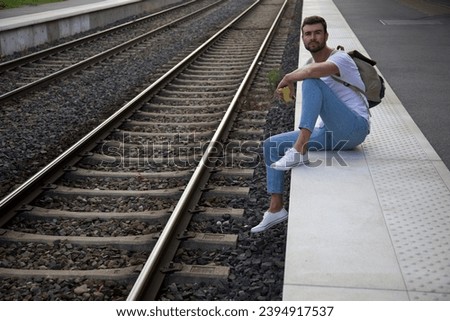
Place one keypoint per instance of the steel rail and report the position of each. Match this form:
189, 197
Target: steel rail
95, 59
29, 189
151, 273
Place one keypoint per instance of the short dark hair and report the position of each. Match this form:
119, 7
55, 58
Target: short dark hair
315, 20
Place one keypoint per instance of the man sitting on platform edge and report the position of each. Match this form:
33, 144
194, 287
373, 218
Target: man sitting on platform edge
344, 116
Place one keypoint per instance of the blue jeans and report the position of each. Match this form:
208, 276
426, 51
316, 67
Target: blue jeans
343, 130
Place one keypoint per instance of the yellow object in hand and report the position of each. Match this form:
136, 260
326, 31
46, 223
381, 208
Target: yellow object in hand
286, 94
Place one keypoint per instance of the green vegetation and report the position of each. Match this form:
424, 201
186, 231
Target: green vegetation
7, 4
274, 77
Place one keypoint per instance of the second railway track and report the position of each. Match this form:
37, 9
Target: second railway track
187, 149
27, 73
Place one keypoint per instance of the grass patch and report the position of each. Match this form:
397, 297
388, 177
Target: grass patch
7, 4
274, 77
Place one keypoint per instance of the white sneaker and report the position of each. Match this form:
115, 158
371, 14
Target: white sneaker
291, 159
269, 220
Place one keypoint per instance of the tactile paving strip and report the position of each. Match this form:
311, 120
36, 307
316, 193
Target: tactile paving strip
415, 202
390, 137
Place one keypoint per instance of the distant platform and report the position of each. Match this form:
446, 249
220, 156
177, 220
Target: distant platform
31, 26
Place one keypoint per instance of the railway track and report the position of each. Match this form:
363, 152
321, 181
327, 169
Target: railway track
30, 72
145, 181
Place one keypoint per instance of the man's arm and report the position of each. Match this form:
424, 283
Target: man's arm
313, 70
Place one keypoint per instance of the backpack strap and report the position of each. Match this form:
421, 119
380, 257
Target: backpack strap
339, 79
346, 84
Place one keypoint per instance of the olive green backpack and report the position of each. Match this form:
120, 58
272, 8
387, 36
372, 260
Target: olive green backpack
373, 82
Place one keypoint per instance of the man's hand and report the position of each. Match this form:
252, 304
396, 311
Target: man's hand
285, 89
286, 94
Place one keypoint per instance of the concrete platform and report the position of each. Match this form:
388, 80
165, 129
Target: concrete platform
26, 27
372, 223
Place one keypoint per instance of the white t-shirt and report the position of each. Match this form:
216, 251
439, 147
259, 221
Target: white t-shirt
349, 73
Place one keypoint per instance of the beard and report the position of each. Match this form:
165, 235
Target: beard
315, 46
